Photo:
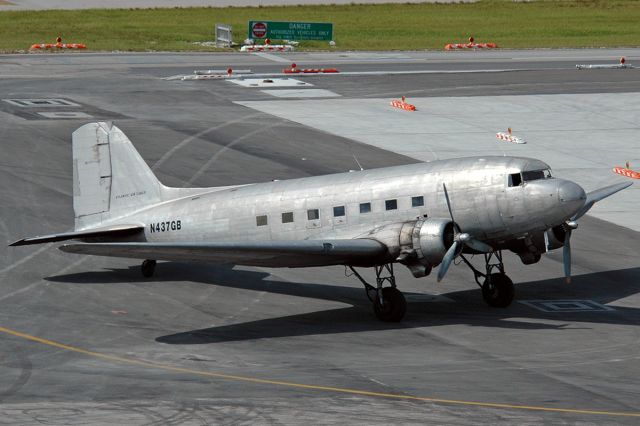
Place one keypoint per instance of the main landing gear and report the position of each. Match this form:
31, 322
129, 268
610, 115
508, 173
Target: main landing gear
388, 302
497, 287
147, 268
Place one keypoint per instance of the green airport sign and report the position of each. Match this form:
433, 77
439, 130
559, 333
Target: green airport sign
290, 30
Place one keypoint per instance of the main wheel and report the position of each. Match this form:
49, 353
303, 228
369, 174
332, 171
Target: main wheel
148, 266
498, 291
393, 306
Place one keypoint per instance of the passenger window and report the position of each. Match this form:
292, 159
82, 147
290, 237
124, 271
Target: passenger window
391, 204
287, 217
515, 179
417, 201
261, 220
338, 211
313, 214
365, 207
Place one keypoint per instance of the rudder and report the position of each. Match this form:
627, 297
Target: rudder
110, 178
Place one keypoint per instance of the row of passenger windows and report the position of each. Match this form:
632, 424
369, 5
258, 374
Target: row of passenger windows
339, 211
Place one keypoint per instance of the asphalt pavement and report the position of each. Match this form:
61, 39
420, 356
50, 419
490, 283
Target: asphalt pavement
87, 340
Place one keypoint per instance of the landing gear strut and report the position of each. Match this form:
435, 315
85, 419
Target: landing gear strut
389, 303
147, 268
497, 287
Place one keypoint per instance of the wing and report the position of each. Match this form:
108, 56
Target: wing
361, 252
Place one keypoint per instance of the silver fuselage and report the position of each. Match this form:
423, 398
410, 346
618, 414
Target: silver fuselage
483, 202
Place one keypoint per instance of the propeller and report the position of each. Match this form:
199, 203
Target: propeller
459, 239
566, 249
591, 199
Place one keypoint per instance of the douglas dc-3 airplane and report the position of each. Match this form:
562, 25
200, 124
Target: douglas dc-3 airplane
419, 215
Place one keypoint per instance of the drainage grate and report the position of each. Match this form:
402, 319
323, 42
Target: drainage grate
30, 103
566, 305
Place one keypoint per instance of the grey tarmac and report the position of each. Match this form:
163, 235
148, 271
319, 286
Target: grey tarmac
88, 340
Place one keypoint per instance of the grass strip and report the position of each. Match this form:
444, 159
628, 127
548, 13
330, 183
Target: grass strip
535, 24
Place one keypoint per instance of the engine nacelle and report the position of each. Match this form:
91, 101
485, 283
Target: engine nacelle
556, 237
432, 238
419, 244
535, 244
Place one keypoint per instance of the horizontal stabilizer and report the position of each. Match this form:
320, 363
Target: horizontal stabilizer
273, 253
107, 231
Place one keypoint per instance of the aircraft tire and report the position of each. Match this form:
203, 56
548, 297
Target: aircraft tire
148, 267
498, 291
394, 307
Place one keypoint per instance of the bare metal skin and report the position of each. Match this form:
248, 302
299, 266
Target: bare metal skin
420, 215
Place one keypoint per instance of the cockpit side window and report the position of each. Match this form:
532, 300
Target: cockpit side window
532, 175
517, 179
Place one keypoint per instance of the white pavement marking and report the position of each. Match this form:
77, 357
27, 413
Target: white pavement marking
269, 82
35, 284
26, 258
39, 103
427, 298
272, 57
566, 305
65, 114
239, 79
212, 160
188, 140
582, 136
302, 93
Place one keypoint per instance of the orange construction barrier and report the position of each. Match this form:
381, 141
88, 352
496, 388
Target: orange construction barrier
295, 70
509, 137
455, 46
58, 45
402, 105
626, 171
268, 48
470, 45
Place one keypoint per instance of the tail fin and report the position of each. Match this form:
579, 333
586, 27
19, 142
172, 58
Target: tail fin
110, 178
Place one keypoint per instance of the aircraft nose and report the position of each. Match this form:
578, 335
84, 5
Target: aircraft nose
572, 196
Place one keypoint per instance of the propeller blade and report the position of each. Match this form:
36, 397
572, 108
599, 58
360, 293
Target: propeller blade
566, 257
597, 195
478, 245
446, 196
447, 259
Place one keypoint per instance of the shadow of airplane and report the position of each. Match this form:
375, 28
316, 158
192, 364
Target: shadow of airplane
468, 309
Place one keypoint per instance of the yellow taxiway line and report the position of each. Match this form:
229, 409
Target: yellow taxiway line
149, 364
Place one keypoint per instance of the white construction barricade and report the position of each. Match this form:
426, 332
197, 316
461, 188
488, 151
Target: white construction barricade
224, 35
268, 48
507, 136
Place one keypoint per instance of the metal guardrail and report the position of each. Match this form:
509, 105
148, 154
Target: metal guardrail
224, 35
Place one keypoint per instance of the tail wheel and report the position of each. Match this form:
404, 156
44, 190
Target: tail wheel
498, 290
148, 266
393, 306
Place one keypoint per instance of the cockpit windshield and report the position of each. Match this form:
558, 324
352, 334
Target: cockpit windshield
517, 179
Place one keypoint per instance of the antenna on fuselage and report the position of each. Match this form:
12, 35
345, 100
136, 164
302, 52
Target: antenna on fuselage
357, 162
